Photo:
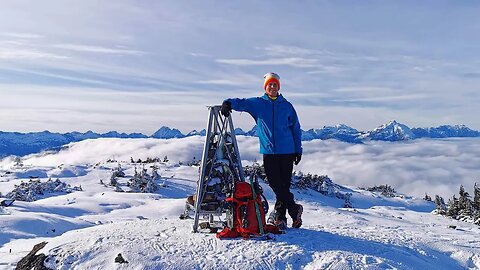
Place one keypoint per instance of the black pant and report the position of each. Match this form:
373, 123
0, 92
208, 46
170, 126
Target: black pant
278, 168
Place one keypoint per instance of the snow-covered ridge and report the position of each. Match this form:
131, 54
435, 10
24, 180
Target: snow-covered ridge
15, 143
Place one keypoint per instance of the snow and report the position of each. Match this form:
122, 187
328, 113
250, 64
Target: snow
87, 229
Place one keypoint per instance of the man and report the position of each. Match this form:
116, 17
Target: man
280, 143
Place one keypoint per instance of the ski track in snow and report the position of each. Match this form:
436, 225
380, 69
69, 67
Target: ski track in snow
87, 229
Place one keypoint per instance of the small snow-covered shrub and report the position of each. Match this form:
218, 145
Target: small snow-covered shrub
118, 171
322, 184
319, 183
255, 168
33, 189
143, 182
385, 190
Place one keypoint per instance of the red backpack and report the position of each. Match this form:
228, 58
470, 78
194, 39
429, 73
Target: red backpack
248, 214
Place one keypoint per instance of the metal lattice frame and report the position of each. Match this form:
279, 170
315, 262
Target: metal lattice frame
219, 129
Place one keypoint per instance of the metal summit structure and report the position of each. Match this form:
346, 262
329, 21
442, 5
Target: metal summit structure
220, 168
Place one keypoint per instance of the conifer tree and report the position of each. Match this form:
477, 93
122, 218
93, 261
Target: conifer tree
463, 194
476, 198
476, 204
118, 171
155, 174
135, 174
476, 218
440, 205
453, 207
113, 179
142, 182
465, 209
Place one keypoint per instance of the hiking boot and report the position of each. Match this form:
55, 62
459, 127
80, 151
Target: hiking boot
272, 217
281, 224
297, 220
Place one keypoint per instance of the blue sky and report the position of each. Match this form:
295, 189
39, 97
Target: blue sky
134, 66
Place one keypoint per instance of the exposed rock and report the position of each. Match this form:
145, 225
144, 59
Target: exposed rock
32, 261
120, 259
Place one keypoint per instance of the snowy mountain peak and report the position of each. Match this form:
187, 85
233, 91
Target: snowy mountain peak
392, 122
194, 132
392, 131
340, 132
167, 133
341, 129
239, 131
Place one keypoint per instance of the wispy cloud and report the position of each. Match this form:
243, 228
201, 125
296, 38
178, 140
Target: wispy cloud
101, 109
325, 69
197, 54
374, 94
238, 79
22, 35
223, 82
96, 49
283, 55
291, 61
22, 46
282, 50
364, 89
21, 54
384, 98
62, 76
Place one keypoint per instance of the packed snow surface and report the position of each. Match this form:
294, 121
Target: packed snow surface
87, 229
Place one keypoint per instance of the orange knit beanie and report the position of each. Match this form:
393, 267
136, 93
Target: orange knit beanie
269, 77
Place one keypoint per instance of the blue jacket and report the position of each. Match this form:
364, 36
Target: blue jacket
277, 123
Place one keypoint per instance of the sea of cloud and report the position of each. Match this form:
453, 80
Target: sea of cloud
432, 166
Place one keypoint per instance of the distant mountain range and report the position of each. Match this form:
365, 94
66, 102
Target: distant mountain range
15, 143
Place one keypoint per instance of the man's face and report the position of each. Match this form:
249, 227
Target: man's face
272, 89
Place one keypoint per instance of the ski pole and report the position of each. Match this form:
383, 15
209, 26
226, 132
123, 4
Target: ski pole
257, 209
